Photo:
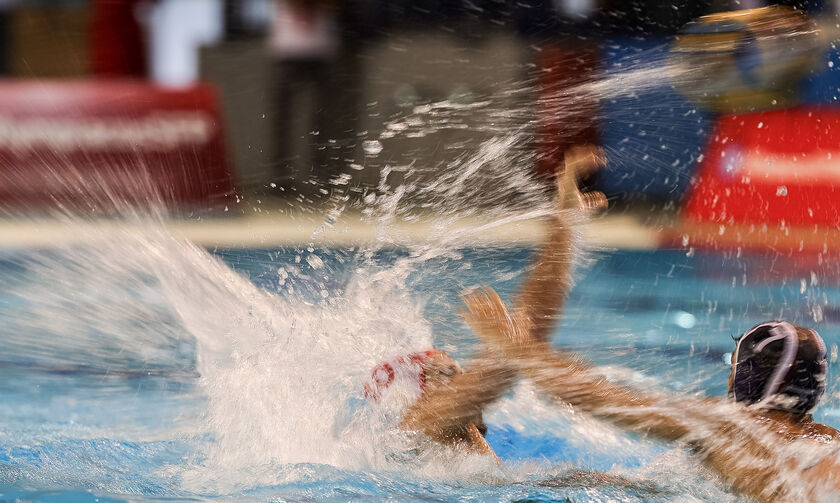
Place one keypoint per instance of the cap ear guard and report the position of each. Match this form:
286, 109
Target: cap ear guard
806, 381
409, 367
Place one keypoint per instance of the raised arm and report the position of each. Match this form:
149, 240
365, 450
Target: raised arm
446, 414
542, 297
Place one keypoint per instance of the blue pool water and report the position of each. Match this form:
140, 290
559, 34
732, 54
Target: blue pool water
148, 370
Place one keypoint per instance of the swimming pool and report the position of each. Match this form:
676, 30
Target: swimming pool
144, 368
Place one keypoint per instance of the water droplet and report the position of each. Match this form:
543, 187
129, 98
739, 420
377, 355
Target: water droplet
342, 179
817, 314
314, 261
683, 319
372, 147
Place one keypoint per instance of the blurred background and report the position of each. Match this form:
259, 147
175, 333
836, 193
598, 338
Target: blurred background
284, 100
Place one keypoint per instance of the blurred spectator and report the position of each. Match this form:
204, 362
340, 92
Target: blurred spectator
152, 38
305, 43
117, 41
245, 17
304, 30
176, 31
568, 37
5, 35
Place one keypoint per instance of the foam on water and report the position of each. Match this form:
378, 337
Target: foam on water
280, 372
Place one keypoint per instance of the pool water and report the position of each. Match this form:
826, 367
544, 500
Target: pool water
149, 369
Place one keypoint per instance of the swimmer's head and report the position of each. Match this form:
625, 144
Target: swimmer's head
780, 366
410, 376
414, 373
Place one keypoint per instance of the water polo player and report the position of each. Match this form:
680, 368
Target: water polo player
764, 442
445, 402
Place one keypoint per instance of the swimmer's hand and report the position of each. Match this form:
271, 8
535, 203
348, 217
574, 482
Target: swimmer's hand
579, 161
490, 319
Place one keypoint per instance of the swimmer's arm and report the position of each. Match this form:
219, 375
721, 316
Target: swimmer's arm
743, 456
445, 413
448, 414
738, 450
541, 300
543, 295
573, 381
565, 377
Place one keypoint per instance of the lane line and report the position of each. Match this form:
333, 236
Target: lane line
620, 232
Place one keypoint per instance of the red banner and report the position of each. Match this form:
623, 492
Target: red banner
770, 178
87, 144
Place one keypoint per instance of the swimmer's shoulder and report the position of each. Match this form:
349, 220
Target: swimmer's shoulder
824, 431
817, 432
794, 428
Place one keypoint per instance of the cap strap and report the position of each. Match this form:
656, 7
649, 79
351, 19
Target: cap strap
786, 331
